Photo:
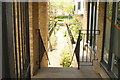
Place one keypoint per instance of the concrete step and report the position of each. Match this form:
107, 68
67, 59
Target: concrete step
59, 72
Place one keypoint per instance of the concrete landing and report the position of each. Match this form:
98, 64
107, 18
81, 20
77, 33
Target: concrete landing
59, 72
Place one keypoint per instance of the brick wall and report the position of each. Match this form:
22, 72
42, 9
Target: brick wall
37, 20
96, 64
43, 25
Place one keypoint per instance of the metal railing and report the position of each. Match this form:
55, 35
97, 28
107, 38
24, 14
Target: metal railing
70, 34
52, 29
77, 50
42, 49
83, 51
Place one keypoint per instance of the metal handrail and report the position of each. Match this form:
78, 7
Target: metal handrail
77, 50
70, 34
52, 29
43, 50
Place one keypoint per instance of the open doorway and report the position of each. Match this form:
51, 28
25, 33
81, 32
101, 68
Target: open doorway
64, 26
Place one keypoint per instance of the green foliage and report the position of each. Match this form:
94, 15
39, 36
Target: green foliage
60, 19
53, 40
70, 16
75, 25
65, 6
56, 29
64, 33
65, 58
51, 23
57, 19
61, 16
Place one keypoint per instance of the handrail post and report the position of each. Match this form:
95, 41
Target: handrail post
77, 50
43, 48
79, 38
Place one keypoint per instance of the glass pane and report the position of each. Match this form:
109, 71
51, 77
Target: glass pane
108, 31
114, 66
115, 37
116, 55
118, 22
79, 5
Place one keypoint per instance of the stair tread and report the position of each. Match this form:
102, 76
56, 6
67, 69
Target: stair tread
59, 72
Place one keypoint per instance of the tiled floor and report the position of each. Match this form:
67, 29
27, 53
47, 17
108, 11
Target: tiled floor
59, 72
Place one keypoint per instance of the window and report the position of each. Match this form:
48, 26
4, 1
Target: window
114, 66
116, 55
107, 32
111, 54
74, 7
79, 5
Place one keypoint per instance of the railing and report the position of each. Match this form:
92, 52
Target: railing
42, 49
70, 34
77, 50
52, 29
83, 52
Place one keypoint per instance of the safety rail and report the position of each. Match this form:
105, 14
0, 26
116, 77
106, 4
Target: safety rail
41, 48
70, 34
83, 51
77, 50
52, 29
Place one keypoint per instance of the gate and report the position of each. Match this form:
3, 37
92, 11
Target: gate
20, 19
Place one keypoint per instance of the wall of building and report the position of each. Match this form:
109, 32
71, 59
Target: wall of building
82, 13
84, 16
38, 19
34, 44
100, 27
96, 63
43, 25
78, 11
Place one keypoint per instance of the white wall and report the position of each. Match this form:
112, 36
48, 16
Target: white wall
77, 11
0, 40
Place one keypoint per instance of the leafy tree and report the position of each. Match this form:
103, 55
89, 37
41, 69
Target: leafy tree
65, 6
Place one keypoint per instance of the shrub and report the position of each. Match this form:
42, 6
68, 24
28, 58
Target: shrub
53, 40
65, 33
60, 19
61, 16
65, 58
75, 25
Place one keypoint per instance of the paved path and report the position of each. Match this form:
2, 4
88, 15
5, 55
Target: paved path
54, 55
